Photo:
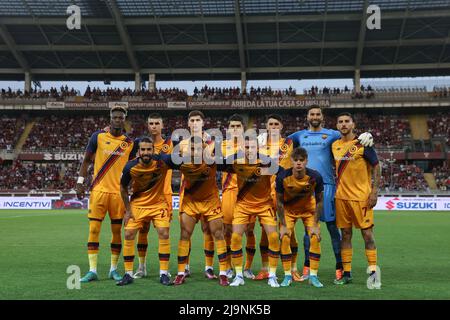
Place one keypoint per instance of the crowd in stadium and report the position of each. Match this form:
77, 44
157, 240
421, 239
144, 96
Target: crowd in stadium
439, 126
233, 93
209, 93
365, 92
52, 93
63, 132
402, 177
34, 176
441, 92
96, 94
442, 177
11, 128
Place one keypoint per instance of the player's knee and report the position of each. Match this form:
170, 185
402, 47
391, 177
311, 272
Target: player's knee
163, 233
369, 239
346, 234
218, 234
185, 234
94, 228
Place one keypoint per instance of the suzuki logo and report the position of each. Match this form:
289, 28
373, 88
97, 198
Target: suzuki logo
390, 205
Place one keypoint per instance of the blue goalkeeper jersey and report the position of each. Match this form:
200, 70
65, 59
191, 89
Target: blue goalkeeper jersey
318, 145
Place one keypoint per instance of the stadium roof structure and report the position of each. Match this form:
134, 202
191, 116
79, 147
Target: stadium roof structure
209, 39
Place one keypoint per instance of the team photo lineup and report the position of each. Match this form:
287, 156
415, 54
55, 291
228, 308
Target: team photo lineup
196, 154
249, 191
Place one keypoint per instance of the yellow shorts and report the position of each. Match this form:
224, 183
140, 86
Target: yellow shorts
102, 202
355, 213
306, 217
229, 198
245, 214
159, 214
202, 210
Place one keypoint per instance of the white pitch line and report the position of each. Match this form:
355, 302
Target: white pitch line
41, 215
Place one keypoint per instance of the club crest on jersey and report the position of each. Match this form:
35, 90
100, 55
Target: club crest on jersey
165, 148
284, 148
123, 145
258, 172
324, 136
353, 149
307, 187
206, 172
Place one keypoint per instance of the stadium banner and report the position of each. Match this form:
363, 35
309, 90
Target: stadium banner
413, 204
177, 104
265, 103
114, 104
55, 105
86, 105
63, 156
47, 156
35, 203
147, 104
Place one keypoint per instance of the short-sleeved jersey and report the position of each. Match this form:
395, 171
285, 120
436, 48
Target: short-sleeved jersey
299, 195
111, 155
318, 145
229, 179
147, 182
281, 149
253, 188
166, 147
353, 169
198, 181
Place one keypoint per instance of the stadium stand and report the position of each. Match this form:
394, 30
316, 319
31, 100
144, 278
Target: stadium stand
402, 177
442, 177
63, 132
11, 129
207, 93
439, 126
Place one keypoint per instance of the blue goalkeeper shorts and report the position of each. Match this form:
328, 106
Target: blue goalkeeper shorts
329, 208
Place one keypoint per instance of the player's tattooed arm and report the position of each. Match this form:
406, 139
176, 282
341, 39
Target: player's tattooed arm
373, 197
82, 175
280, 212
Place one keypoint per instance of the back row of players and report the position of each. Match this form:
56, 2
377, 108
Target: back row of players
304, 187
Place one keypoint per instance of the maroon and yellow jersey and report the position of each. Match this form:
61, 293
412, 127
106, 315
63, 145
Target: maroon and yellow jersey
353, 169
254, 188
281, 149
147, 182
198, 182
111, 156
166, 147
299, 195
229, 180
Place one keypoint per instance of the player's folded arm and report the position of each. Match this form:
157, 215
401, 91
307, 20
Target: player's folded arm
166, 158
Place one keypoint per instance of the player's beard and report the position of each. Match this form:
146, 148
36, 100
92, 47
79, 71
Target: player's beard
146, 159
315, 123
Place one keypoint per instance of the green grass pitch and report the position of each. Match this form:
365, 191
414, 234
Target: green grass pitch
36, 247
